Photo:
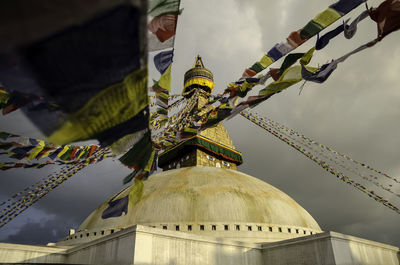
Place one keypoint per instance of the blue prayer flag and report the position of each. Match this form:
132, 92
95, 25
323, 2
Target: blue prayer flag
163, 60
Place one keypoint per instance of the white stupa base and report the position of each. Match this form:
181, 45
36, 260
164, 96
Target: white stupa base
146, 245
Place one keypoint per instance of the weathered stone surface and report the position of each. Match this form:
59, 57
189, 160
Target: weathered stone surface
212, 198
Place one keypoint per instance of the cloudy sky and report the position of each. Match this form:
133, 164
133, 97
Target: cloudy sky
355, 112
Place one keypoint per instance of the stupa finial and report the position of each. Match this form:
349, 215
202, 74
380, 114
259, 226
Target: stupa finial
198, 63
198, 77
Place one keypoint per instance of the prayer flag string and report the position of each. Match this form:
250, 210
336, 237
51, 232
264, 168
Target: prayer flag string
337, 158
161, 37
274, 130
22, 200
25, 150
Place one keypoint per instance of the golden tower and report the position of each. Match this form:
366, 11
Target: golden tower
211, 147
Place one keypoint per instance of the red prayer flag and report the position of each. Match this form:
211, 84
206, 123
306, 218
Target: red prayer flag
274, 73
248, 73
163, 27
387, 17
294, 39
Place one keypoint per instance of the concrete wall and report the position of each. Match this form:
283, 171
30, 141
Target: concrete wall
353, 250
330, 248
144, 245
168, 247
117, 248
15, 253
141, 245
304, 250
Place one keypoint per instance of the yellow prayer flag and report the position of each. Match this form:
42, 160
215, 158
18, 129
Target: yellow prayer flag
291, 76
83, 151
4, 96
165, 79
150, 162
307, 56
36, 150
266, 61
65, 149
136, 192
327, 17
112, 106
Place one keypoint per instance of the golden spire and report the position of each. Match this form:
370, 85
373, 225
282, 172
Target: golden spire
211, 147
198, 62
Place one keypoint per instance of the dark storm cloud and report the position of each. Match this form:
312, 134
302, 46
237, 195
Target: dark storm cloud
40, 233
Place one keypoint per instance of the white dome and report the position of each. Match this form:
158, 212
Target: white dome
218, 199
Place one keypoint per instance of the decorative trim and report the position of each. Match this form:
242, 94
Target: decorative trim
204, 144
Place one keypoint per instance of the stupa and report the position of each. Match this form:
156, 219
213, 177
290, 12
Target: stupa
201, 191
201, 210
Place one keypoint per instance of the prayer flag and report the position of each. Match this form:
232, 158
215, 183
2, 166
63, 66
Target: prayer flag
350, 30
116, 208
324, 40
162, 60
257, 67
275, 53
295, 39
165, 79
345, 6
327, 17
387, 17
310, 30
161, 7
163, 27
266, 61
91, 65
139, 155
321, 75
248, 73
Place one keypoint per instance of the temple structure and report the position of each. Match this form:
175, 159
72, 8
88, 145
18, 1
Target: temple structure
211, 147
201, 210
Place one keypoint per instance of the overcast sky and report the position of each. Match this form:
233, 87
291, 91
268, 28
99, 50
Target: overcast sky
356, 112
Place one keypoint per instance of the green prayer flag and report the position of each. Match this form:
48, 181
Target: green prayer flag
162, 111
162, 7
138, 156
289, 61
128, 178
290, 77
67, 154
257, 67
309, 30
5, 146
4, 135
